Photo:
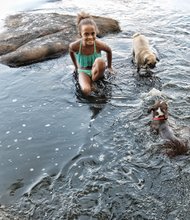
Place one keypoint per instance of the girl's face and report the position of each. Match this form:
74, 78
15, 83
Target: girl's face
88, 34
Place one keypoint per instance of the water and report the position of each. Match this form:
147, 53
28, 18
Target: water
66, 157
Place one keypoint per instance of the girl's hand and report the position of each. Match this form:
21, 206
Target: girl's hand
111, 70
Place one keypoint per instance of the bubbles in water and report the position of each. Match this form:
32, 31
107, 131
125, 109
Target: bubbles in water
14, 100
81, 177
101, 157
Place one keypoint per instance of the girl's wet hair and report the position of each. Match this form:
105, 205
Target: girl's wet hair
85, 19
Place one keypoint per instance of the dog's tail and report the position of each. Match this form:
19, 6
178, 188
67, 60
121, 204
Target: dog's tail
136, 35
176, 147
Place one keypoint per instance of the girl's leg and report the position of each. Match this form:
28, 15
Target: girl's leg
98, 69
85, 83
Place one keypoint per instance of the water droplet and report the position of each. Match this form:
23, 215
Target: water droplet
101, 157
81, 177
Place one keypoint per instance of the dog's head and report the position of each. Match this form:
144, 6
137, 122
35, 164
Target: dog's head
136, 35
150, 61
159, 110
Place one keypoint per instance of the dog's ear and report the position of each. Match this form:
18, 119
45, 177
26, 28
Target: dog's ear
150, 110
145, 61
153, 107
165, 109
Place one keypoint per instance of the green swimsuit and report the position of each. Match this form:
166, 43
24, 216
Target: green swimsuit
86, 60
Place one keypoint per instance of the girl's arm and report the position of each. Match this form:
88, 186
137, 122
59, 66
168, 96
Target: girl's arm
72, 55
107, 49
109, 57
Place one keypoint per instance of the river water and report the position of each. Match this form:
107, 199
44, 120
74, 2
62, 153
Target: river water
67, 157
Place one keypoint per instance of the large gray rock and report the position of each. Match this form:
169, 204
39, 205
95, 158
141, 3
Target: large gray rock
33, 37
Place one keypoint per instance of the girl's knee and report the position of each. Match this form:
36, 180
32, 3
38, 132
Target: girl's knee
100, 62
86, 90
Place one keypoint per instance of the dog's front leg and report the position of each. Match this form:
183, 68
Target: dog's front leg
133, 57
138, 68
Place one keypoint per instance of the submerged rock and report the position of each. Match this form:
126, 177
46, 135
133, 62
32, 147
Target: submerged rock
33, 37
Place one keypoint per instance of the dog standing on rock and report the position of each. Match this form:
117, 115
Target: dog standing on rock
143, 56
159, 124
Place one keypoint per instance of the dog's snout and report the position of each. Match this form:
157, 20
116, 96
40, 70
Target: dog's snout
151, 65
159, 112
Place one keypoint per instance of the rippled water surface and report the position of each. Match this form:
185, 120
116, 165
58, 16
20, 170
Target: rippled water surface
66, 157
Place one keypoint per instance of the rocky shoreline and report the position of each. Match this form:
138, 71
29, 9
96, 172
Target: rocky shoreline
35, 37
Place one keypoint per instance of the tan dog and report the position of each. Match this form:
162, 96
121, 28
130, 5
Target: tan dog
142, 54
159, 124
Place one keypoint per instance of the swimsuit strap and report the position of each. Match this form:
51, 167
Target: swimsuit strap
94, 46
80, 47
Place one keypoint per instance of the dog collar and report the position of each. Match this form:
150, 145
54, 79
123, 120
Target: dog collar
159, 118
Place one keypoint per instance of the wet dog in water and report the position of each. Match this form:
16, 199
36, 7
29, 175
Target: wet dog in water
175, 145
143, 56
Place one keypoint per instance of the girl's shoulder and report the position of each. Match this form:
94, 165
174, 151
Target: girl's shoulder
74, 46
101, 45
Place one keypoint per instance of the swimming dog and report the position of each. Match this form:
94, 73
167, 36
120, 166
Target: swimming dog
143, 56
160, 124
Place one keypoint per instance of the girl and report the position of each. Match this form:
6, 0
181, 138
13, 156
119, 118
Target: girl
86, 53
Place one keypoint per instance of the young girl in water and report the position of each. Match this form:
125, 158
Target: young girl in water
86, 54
